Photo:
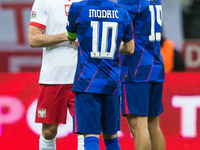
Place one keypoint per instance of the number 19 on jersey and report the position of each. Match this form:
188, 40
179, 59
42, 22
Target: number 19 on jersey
156, 16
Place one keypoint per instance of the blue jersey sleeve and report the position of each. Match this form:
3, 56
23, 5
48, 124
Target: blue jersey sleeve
128, 35
72, 17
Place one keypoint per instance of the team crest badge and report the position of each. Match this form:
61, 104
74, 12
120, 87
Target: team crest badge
33, 15
67, 7
41, 112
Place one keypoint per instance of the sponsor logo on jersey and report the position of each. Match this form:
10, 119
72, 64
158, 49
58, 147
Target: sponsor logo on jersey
33, 15
41, 112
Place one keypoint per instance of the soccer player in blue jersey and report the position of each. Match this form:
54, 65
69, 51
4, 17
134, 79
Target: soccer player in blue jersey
100, 25
143, 75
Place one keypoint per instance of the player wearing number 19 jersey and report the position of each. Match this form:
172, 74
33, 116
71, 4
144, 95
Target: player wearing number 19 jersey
146, 64
143, 75
100, 25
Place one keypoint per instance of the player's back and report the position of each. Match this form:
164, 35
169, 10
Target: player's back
100, 27
146, 64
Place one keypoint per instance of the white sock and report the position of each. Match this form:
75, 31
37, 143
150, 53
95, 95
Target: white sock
47, 144
81, 142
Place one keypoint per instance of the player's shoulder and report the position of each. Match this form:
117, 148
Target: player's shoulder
77, 6
132, 6
79, 2
111, 3
42, 2
119, 6
154, 1
146, 3
43, 5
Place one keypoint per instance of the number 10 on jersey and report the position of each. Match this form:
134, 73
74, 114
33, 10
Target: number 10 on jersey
104, 42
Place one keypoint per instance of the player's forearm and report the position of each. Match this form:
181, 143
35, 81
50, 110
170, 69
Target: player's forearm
44, 40
127, 47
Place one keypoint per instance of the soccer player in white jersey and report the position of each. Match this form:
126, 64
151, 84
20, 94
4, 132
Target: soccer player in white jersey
47, 29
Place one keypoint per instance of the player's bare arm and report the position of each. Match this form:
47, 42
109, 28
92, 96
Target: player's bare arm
37, 38
127, 47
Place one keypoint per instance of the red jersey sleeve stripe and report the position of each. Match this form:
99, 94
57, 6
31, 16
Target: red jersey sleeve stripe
37, 25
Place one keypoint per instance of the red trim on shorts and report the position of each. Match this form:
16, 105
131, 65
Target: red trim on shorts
75, 119
37, 25
126, 103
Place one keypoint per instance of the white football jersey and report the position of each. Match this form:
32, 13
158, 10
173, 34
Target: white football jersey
59, 61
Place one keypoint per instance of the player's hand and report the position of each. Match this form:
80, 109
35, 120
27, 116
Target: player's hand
76, 41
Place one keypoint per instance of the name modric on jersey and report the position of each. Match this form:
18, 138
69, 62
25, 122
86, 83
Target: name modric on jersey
103, 13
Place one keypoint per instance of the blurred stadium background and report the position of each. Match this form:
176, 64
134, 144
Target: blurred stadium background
20, 66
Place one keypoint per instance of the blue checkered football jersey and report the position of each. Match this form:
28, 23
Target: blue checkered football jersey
146, 63
100, 25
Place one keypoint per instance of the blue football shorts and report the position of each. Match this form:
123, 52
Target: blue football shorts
94, 113
143, 99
